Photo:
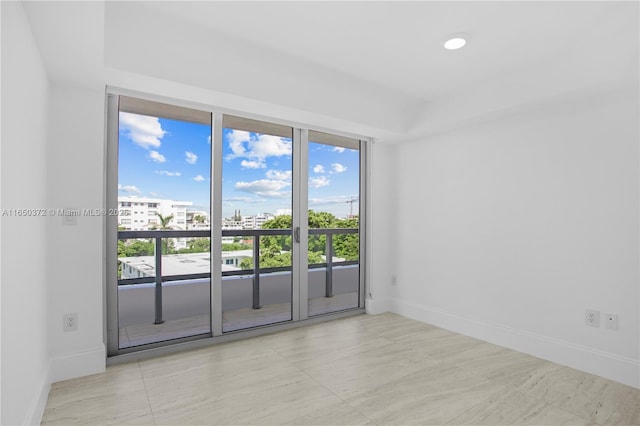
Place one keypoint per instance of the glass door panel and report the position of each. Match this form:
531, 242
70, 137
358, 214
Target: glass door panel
257, 274
273, 211
163, 202
334, 211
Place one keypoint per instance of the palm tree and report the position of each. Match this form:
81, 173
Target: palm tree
164, 222
164, 226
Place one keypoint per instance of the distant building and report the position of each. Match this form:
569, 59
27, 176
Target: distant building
180, 264
248, 222
231, 224
141, 214
198, 219
256, 222
233, 258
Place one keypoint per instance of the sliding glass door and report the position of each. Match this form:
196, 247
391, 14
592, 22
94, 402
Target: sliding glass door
334, 223
257, 227
162, 282
224, 224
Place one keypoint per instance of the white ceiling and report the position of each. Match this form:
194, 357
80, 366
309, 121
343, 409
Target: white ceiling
379, 65
399, 44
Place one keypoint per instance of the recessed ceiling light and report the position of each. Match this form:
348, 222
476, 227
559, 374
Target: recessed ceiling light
455, 43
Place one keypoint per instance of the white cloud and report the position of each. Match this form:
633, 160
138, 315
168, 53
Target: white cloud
167, 173
333, 200
237, 140
258, 147
338, 168
157, 157
279, 174
154, 194
269, 146
143, 130
338, 149
319, 182
190, 157
268, 188
318, 168
198, 178
253, 164
131, 189
243, 200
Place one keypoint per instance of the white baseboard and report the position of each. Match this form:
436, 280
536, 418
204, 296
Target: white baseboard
39, 402
77, 364
377, 306
604, 364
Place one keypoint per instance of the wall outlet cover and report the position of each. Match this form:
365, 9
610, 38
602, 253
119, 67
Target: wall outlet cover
611, 321
592, 318
70, 322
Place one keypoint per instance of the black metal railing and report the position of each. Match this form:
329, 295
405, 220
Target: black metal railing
256, 271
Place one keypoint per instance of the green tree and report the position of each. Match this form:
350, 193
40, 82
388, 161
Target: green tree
197, 245
314, 257
347, 246
321, 219
268, 259
236, 246
277, 243
164, 222
134, 248
275, 249
168, 245
246, 263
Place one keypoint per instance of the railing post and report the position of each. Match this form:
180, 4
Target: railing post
158, 293
256, 271
329, 260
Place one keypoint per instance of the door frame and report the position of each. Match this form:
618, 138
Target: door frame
300, 220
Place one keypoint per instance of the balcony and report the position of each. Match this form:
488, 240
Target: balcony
164, 297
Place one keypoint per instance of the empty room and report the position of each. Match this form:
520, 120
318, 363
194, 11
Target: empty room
320, 213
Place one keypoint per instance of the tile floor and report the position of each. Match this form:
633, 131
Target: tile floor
363, 370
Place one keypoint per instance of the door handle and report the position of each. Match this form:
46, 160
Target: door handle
296, 234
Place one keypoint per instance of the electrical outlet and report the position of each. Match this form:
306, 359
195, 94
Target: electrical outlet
70, 322
611, 321
592, 318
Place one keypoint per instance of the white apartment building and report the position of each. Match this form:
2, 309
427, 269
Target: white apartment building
180, 264
256, 222
140, 213
198, 219
232, 224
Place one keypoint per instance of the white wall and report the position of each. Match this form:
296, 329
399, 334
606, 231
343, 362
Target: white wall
521, 223
383, 216
76, 180
25, 283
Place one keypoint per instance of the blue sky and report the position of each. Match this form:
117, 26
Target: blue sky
170, 159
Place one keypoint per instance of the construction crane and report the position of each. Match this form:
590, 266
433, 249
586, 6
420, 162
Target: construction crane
350, 202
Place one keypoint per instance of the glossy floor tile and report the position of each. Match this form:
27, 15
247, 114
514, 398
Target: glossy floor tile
363, 370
